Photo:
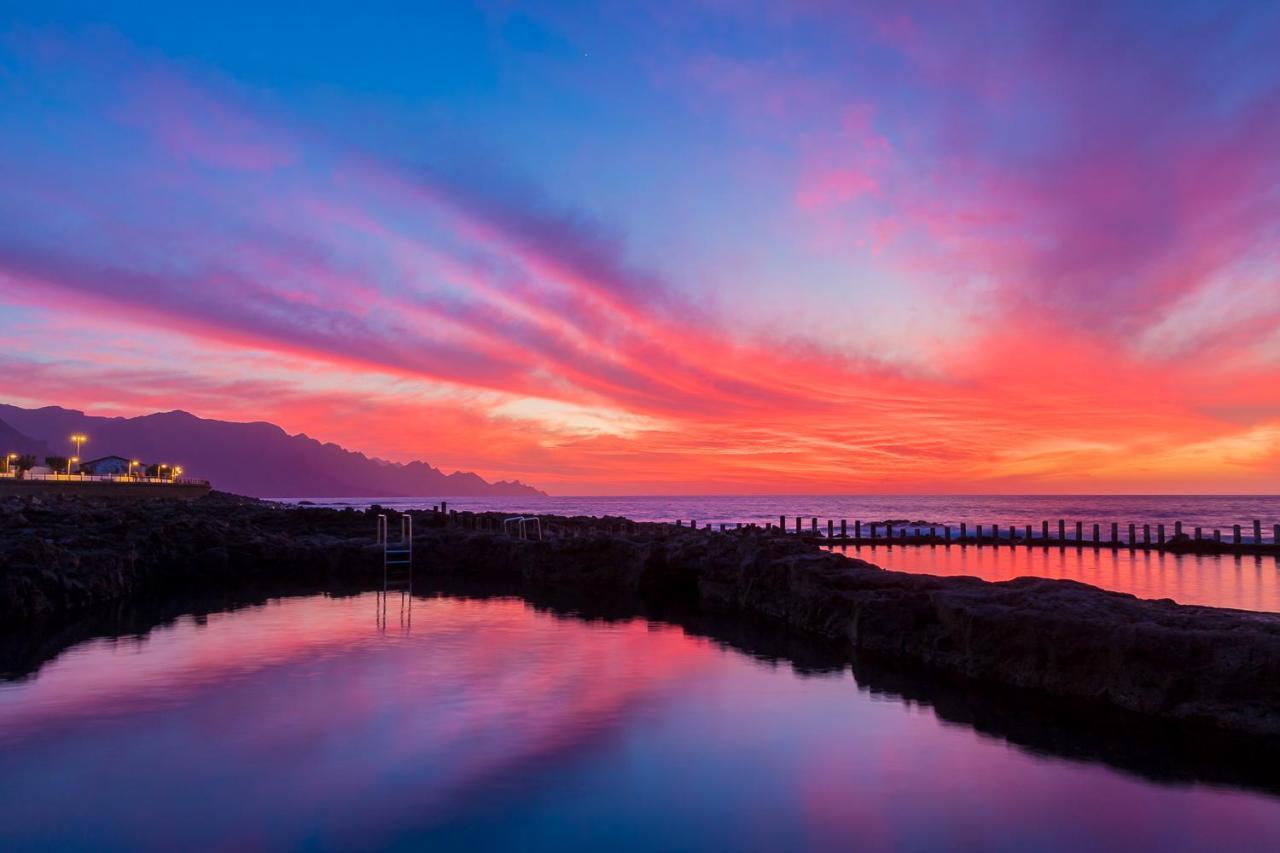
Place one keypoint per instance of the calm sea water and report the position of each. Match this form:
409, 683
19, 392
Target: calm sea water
488, 725
1250, 583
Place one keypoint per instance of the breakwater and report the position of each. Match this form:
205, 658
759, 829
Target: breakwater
1173, 538
1197, 666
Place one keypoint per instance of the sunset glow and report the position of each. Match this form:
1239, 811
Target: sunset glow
684, 248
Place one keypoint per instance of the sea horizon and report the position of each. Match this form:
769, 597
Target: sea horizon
1204, 510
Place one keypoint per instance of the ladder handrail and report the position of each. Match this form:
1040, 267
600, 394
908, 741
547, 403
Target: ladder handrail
398, 555
521, 521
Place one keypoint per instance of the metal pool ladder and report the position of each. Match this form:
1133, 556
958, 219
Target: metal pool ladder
520, 523
397, 567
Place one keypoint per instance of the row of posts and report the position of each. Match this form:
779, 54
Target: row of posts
908, 532
916, 532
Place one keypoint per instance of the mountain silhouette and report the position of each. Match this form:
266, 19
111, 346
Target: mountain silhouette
258, 459
13, 441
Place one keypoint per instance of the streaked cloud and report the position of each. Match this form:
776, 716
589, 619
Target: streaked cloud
957, 256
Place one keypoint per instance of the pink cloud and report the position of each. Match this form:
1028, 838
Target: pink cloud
388, 296
833, 188
193, 125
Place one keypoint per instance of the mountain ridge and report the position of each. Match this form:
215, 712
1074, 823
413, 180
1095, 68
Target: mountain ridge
255, 458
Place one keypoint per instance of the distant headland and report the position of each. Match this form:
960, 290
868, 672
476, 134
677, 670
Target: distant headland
258, 459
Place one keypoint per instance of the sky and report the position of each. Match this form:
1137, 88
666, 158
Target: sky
672, 248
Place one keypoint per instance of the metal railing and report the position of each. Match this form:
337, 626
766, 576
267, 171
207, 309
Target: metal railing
397, 569
520, 523
101, 478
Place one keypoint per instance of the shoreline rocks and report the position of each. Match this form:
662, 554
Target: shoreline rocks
1192, 665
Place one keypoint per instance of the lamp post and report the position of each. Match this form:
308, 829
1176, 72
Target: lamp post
176, 472
8, 462
69, 461
160, 471
79, 439
133, 464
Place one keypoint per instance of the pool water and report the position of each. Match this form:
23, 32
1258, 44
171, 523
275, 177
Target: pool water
1244, 582
315, 722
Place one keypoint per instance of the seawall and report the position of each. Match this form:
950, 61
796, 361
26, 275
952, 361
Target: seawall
1197, 666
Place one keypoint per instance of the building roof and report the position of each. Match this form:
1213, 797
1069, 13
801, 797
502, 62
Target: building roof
104, 459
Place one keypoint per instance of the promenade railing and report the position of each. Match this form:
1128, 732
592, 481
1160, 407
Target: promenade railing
102, 478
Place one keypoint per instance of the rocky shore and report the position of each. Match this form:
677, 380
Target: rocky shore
1195, 666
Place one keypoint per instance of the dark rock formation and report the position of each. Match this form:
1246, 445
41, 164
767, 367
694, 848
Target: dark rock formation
1193, 665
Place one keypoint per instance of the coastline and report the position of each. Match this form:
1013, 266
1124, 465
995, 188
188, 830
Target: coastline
1195, 666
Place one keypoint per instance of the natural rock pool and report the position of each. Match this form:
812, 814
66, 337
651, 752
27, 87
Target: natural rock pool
315, 722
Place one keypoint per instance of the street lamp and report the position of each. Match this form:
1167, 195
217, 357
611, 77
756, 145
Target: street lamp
135, 463
176, 471
69, 461
79, 439
160, 471
8, 463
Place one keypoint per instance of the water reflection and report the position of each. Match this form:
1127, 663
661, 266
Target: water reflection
1244, 582
399, 603
489, 722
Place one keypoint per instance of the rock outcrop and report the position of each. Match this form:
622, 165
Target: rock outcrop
1194, 665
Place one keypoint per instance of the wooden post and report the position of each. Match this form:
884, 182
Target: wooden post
946, 533
1079, 532
1115, 534
782, 523
1275, 534
444, 506
857, 529
1257, 532
722, 527
995, 534
1133, 536
1146, 534
1062, 530
1217, 535
831, 528
964, 534
1197, 534
1235, 534
798, 531
1095, 534
679, 523
693, 522
815, 526
1177, 528
1044, 531
1160, 533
